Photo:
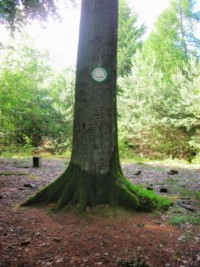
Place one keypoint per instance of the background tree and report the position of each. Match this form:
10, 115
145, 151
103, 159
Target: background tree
129, 37
15, 13
173, 40
35, 101
159, 119
187, 19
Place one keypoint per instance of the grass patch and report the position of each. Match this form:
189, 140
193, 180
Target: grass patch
32, 176
182, 219
17, 151
197, 194
7, 173
171, 181
186, 193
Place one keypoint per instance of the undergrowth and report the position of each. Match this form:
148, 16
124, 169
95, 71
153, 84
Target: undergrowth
183, 219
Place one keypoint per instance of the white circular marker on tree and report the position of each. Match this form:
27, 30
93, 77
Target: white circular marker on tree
99, 74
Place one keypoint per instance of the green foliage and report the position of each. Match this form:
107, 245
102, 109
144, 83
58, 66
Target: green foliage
160, 48
158, 118
125, 151
159, 101
129, 37
36, 103
173, 41
16, 150
15, 13
187, 20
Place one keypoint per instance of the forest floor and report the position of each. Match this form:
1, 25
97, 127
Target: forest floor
37, 237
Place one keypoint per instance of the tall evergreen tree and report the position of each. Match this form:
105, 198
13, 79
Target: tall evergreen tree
187, 19
173, 41
129, 37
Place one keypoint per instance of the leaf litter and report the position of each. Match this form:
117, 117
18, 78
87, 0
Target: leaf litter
36, 237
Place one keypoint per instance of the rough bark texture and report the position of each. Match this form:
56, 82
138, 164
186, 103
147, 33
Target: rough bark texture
94, 174
95, 104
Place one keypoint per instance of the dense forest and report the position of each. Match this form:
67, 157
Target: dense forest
158, 91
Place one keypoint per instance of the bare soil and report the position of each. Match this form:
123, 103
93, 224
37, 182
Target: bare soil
35, 237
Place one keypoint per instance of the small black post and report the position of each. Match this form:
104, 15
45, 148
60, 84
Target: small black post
37, 161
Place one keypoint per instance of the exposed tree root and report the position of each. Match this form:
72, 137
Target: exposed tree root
83, 189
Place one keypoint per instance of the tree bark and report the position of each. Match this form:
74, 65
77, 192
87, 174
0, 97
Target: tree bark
94, 138
94, 175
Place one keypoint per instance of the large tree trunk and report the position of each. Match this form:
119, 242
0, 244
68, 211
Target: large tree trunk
95, 128
94, 175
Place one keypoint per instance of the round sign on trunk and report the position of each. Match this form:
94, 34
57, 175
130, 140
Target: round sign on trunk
99, 74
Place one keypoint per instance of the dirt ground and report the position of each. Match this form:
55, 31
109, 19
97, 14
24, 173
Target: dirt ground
36, 237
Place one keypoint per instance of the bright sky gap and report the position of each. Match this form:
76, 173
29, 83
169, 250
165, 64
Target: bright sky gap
61, 39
